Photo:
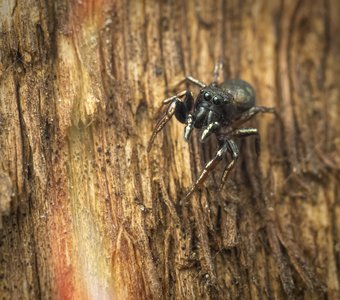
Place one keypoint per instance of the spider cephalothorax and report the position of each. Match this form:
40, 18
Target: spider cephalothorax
219, 109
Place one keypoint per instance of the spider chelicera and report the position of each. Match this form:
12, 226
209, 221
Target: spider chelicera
219, 109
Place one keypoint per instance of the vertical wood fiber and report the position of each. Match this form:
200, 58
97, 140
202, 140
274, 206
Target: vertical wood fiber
87, 214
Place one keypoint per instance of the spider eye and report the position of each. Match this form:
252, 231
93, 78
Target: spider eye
207, 96
202, 91
217, 100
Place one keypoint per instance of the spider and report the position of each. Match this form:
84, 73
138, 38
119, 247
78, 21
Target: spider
219, 109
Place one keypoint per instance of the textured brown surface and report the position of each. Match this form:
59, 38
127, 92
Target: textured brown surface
94, 217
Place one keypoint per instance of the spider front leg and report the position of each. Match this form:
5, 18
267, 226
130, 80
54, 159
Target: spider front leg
192, 80
177, 107
228, 145
195, 81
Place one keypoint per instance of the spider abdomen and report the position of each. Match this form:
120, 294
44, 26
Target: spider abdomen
243, 93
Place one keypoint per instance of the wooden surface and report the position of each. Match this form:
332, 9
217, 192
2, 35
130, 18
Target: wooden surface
87, 214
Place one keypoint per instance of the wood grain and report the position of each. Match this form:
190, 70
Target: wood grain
93, 216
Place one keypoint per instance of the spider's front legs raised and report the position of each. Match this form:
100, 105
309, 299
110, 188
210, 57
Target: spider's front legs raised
195, 81
228, 145
190, 79
176, 106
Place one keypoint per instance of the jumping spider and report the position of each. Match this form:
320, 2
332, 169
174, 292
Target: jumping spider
219, 109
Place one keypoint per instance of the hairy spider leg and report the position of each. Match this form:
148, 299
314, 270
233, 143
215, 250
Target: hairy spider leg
233, 149
245, 132
170, 99
195, 81
228, 145
175, 106
180, 109
190, 79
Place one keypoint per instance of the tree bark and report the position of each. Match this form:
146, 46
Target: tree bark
88, 214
